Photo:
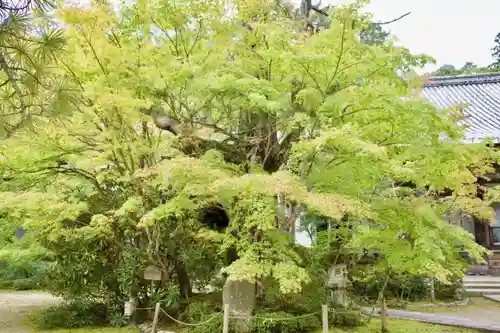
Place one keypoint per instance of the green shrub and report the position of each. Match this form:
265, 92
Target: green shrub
71, 315
200, 311
397, 304
6, 284
447, 291
284, 322
346, 318
26, 276
404, 288
25, 284
196, 310
308, 301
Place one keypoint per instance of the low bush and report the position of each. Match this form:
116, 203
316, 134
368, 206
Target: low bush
197, 310
404, 288
25, 284
307, 301
448, 291
6, 284
29, 276
396, 304
346, 318
200, 311
264, 321
284, 322
71, 315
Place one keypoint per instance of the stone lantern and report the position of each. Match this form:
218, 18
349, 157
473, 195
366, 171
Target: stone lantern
338, 283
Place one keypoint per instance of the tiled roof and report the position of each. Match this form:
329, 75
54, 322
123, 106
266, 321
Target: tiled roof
480, 95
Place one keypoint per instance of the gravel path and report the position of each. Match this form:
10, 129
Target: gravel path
15, 306
482, 314
483, 322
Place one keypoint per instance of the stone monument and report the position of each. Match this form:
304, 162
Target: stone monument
240, 296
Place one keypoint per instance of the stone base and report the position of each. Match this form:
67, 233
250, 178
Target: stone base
339, 297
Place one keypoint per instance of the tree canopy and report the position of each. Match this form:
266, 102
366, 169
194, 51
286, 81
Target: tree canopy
496, 53
468, 68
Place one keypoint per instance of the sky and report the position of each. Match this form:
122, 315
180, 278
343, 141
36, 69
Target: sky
451, 31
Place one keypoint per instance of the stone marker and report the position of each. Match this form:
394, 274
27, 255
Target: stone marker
240, 296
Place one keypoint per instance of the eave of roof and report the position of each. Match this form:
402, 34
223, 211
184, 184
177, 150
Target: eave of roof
479, 93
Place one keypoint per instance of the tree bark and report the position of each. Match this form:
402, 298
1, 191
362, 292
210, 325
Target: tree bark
383, 307
383, 315
185, 289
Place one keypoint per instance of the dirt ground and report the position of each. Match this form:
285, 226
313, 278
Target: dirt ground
15, 306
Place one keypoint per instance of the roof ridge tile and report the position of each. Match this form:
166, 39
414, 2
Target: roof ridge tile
482, 78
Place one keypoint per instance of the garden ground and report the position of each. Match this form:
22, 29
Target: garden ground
15, 308
404, 326
480, 309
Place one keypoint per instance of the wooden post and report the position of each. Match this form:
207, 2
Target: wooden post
225, 328
150, 312
155, 318
324, 317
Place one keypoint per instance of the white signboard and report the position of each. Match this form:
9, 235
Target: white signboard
152, 273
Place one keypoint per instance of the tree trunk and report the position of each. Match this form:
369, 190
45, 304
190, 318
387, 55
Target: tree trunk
185, 289
383, 315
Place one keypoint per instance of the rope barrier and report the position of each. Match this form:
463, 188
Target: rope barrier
347, 311
276, 318
331, 310
252, 317
191, 324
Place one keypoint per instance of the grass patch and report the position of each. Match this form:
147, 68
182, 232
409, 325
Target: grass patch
404, 326
94, 330
395, 326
